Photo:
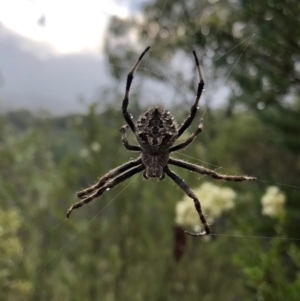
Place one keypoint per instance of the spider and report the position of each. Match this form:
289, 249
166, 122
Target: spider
156, 132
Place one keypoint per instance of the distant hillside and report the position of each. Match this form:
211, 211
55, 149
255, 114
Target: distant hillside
34, 77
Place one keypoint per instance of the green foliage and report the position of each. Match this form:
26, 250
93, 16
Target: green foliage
268, 270
122, 246
117, 247
12, 287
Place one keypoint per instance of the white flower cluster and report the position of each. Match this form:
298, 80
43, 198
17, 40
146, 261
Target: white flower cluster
214, 201
273, 201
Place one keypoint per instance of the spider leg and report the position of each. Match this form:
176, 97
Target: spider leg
126, 97
111, 174
125, 140
194, 107
209, 172
189, 140
106, 187
192, 195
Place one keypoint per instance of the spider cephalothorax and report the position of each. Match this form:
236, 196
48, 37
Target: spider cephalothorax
156, 132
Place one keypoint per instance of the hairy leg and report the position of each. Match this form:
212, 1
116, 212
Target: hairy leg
192, 195
126, 97
189, 140
194, 108
111, 174
105, 187
205, 171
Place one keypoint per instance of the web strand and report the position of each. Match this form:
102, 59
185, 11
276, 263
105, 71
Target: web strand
255, 236
83, 228
239, 58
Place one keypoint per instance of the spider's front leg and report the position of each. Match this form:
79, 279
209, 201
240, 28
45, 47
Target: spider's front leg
192, 195
125, 140
126, 97
187, 122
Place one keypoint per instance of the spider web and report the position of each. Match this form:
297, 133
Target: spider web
172, 91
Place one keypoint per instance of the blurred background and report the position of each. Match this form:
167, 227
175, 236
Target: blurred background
63, 68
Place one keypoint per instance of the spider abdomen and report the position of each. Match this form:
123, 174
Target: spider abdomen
156, 130
154, 164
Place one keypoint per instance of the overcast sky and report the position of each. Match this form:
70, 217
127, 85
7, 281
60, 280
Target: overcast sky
51, 51
68, 26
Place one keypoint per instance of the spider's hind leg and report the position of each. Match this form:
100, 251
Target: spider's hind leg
192, 195
111, 174
114, 182
205, 171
